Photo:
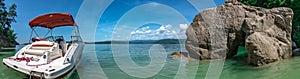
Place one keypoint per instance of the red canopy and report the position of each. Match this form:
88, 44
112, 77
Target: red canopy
53, 20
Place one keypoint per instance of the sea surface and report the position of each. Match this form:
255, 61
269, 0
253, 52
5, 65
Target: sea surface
153, 61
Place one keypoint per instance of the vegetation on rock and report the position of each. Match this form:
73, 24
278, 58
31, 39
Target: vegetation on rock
293, 4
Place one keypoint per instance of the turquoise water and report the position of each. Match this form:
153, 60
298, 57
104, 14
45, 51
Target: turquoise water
235, 68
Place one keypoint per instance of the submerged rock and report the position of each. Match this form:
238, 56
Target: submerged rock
182, 56
294, 45
296, 52
217, 32
179, 54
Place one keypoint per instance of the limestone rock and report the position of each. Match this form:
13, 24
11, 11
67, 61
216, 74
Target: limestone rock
217, 32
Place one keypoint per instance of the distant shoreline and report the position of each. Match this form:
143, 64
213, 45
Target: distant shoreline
163, 41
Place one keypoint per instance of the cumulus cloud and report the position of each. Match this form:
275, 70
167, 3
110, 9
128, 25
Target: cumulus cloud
181, 32
183, 26
163, 32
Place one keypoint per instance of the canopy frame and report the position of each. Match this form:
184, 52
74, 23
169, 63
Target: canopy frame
53, 20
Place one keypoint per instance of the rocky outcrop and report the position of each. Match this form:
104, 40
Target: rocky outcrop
217, 32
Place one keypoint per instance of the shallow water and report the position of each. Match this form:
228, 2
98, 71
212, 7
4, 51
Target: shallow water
169, 68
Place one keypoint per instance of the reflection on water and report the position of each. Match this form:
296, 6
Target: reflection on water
234, 68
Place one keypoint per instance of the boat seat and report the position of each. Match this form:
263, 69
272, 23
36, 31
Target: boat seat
40, 48
35, 52
42, 44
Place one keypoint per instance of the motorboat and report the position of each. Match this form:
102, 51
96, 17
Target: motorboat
49, 56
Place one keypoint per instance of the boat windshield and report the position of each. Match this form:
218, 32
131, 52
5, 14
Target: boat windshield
55, 38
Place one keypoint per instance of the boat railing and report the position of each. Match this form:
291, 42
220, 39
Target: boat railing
70, 53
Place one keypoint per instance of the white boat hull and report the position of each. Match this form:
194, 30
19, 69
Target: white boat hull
55, 69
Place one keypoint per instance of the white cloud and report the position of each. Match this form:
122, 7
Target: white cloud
181, 32
163, 32
183, 26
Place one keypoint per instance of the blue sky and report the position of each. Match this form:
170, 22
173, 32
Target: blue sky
119, 20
